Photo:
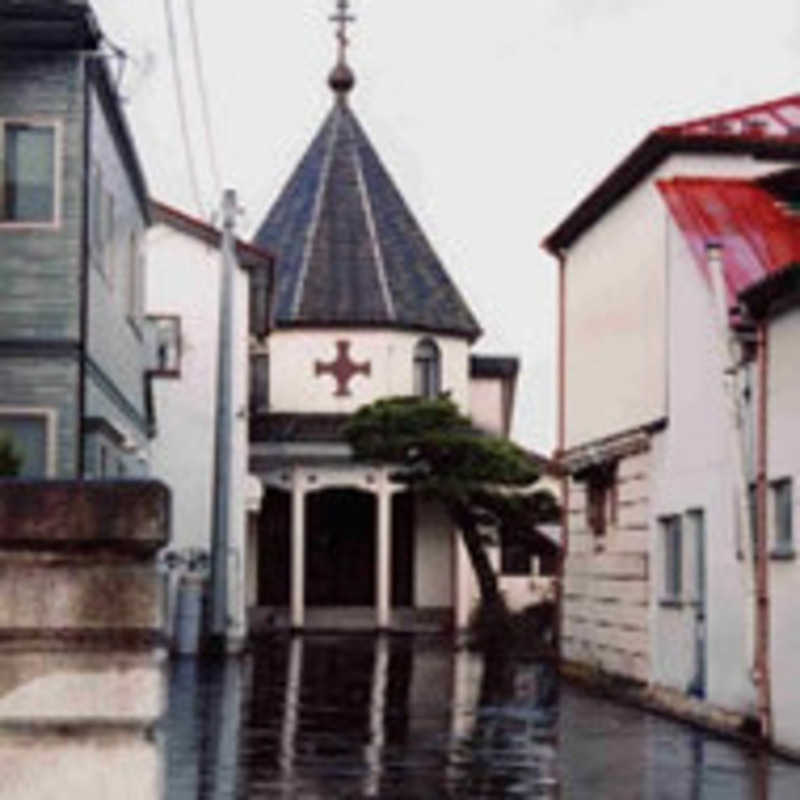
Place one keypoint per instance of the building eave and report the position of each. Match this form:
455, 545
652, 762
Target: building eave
470, 337
250, 256
48, 26
646, 157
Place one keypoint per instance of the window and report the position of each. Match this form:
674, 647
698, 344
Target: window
601, 497
696, 543
427, 371
167, 356
782, 510
101, 223
260, 301
259, 383
31, 434
673, 557
515, 558
29, 173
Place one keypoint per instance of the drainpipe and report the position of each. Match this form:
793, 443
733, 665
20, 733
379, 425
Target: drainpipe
561, 446
762, 675
729, 358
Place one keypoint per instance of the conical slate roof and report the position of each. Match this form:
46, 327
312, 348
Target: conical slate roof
349, 250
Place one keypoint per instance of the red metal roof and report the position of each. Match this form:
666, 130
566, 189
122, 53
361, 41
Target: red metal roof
768, 130
757, 234
776, 119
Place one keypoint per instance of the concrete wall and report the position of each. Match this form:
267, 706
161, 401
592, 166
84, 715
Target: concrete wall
692, 471
184, 280
81, 655
784, 574
295, 387
616, 319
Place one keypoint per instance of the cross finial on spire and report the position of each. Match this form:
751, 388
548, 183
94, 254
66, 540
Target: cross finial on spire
342, 18
342, 80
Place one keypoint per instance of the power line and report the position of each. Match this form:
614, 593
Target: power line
176, 73
201, 83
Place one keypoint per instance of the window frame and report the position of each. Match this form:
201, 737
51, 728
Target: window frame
50, 417
57, 126
432, 364
781, 548
156, 370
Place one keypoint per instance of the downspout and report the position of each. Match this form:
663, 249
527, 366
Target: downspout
561, 446
762, 676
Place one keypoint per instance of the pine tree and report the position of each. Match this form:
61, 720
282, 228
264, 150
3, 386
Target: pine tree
439, 454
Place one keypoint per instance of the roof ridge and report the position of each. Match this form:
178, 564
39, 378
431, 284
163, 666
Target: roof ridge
308, 245
380, 265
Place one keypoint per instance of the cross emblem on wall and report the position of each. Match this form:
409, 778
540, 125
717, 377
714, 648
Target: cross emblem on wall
343, 368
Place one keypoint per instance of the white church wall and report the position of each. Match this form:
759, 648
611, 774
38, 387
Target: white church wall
616, 306
433, 557
184, 280
295, 386
783, 462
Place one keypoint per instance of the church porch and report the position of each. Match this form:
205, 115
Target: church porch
342, 548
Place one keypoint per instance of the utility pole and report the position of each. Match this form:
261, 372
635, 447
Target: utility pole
223, 424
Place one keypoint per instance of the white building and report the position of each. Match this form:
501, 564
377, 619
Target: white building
183, 289
363, 310
656, 585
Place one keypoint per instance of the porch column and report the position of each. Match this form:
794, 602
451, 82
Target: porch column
298, 582
383, 573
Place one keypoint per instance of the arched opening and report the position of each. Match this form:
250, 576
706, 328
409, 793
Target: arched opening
427, 369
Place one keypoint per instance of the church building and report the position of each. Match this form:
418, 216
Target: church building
362, 309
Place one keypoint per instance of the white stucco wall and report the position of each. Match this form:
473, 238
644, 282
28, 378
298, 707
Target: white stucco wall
433, 556
296, 388
784, 462
692, 471
486, 404
184, 279
616, 306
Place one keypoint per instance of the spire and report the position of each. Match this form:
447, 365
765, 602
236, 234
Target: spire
342, 79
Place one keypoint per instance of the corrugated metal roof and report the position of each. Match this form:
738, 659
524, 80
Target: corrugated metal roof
768, 130
350, 252
757, 233
776, 119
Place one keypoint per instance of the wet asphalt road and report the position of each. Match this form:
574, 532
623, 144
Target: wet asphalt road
353, 717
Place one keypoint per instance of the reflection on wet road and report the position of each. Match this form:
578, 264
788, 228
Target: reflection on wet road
404, 718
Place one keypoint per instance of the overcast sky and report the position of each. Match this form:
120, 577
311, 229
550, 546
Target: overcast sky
494, 118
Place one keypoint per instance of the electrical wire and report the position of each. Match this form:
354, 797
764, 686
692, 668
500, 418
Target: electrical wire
176, 73
206, 114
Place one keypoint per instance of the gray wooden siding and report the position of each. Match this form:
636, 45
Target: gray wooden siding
40, 269
113, 341
47, 382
